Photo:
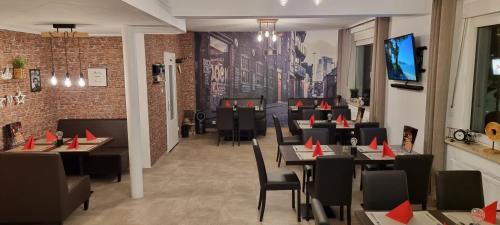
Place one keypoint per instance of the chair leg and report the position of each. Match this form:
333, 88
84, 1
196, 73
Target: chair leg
341, 213
348, 214
239, 137
424, 204
260, 199
303, 180
233, 137
298, 205
119, 176
218, 138
263, 205
86, 205
279, 161
307, 206
293, 199
278, 153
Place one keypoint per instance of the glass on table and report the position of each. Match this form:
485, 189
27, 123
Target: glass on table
477, 215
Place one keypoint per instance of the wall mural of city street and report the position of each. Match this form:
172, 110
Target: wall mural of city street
235, 65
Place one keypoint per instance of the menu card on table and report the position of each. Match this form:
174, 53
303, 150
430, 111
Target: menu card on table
419, 218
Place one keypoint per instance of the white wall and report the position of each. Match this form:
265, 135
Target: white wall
406, 107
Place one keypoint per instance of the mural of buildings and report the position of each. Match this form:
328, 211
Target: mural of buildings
236, 65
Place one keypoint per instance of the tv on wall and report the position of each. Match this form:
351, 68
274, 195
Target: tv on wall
400, 58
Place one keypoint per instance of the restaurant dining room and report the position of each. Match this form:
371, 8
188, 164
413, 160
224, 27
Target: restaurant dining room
272, 112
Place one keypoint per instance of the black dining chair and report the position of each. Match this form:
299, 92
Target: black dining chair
283, 180
384, 190
246, 122
366, 136
225, 123
344, 111
307, 112
418, 171
291, 140
332, 128
318, 134
459, 190
358, 126
332, 183
320, 217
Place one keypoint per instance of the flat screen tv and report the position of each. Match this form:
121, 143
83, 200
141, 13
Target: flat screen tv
400, 58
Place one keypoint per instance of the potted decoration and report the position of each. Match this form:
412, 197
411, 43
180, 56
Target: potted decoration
354, 93
18, 64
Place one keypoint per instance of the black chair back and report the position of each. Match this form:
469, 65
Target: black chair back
345, 111
333, 179
418, 171
261, 167
459, 190
306, 113
279, 132
225, 119
358, 126
332, 129
320, 134
246, 118
384, 190
366, 135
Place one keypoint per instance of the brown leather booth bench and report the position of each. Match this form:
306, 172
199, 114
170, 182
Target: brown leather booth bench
109, 159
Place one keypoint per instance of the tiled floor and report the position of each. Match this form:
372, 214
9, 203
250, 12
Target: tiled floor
198, 183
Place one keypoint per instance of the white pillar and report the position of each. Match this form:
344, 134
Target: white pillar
134, 63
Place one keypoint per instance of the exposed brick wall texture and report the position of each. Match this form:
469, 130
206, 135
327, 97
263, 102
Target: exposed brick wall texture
43, 109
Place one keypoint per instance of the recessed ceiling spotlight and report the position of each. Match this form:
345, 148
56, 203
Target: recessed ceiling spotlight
317, 2
283, 2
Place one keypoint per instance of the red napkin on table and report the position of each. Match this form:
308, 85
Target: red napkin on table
346, 124
402, 213
30, 144
327, 106
89, 135
311, 120
373, 144
339, 118
387, 151
322, 105
50, 136
317, 149
490, 213
250, 104
299, 103
74, 143
227, 104
309, 143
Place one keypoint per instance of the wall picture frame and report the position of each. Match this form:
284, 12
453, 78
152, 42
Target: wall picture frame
35, 80
97, 77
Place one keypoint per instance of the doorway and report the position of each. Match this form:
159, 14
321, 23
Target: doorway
171, 98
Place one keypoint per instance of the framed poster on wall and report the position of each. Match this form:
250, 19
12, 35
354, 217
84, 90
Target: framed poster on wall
97, 77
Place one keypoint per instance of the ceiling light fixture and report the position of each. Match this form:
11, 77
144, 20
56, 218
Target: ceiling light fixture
269, 31
67, 80
283, 2
53, 78
81, 80
317, 2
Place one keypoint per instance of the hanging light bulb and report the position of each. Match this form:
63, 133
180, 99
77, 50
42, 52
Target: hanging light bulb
266, 34
67, 81
317, 2
274, 37
259, 37
283, 2
81, 81
53, 79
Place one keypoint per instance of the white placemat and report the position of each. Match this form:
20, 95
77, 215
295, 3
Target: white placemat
81, 148
38, 148
376, 156
419, 218
96, 141
44, 141
464, 217
309, 155
302, 148
366, 148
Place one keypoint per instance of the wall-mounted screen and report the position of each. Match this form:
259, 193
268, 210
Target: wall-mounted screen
400, 58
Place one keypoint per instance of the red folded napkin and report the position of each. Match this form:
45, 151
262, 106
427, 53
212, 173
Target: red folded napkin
318, 151
327, 106
250, 104
373, 144
387, 151
74, 143
322, 105
346, 124
309, 143
227, 104
402, 213
299, 103
339, 118
490, 213
30, 144
89, 135
50, 136
312, 120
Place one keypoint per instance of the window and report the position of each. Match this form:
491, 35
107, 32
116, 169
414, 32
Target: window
259, 73
486, 95
363, 71
245, 69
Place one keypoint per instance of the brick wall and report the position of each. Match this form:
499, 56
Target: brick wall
43, 109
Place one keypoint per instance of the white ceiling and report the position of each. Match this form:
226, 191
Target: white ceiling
99, 17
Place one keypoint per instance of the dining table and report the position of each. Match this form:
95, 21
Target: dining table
429, 217
85, 147
305, 124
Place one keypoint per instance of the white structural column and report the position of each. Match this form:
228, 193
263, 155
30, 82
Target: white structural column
134, 62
